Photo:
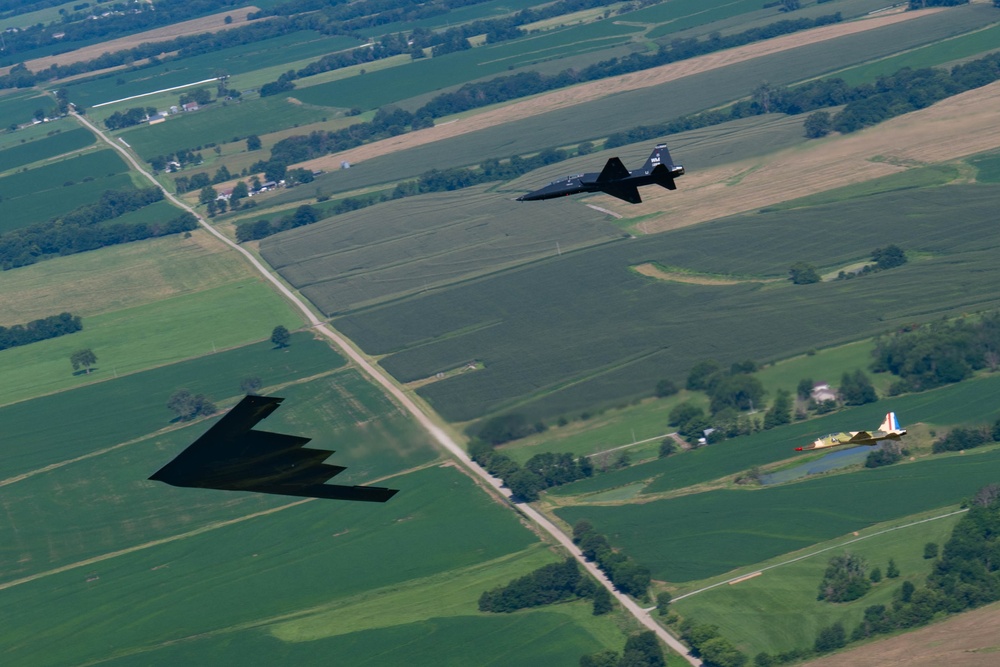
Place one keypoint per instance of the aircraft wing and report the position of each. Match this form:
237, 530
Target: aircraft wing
862, 436
614, 170
233, 457
626, 192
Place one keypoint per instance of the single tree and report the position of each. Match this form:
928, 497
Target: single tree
83, 358
930, 550
251, 385
667, 447
665, 388
207, 194
280, 336
602, 601
253, 143
818, 124
663, 602
801, 273
891, 571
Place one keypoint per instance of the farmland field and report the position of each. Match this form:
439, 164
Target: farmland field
421, 243
235, 61
138, 337
222, 123
41, 149
375, 89
59, 187
584, 357
19, 107
970, 401
787, 613
706, 534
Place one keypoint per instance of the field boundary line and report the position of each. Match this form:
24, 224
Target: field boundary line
162, 90
814, 553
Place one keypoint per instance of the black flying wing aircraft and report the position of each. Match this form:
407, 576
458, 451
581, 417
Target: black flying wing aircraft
233, 457
615, 179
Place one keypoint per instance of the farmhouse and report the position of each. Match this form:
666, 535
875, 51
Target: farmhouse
821, 393
190, 106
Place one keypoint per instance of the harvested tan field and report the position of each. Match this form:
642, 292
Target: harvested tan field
971, 639
953, 128
605, 87
193, 27
653, 271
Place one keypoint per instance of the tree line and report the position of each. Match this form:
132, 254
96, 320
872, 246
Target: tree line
52, 326
627, 575
556, 582
939, 353
539, 472
82, 229
641, 650
961, 438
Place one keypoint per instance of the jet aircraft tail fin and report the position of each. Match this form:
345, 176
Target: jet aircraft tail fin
660, 155
891, 425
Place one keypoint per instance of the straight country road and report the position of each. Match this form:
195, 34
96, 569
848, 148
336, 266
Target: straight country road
437, 433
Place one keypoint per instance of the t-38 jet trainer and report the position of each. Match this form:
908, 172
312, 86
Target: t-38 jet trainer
615, 179
889, 430
232, 456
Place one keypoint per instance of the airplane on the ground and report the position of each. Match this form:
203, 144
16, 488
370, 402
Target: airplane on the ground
889, 430
232, 457
615, 179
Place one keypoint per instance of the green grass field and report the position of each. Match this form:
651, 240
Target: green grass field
987, 168
139, 337
786, 614
53, 189
706, 534
131, 406
17, 108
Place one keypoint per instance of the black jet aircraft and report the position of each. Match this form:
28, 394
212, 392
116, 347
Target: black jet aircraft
615, 179
233, 457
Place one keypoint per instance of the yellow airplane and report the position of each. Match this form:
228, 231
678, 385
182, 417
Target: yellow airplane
889, 430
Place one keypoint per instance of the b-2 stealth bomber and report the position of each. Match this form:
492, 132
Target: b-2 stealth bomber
615, 179
233, 457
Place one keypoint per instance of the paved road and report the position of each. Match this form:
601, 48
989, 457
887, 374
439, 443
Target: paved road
439, 434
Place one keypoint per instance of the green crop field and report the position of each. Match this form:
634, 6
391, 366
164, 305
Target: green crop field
706, 534
129, 407
786, 613
966, 402
374, 89
139, 337
987, 168
234, 61
588, 356
958, 48
41, 149
423, 243
59, 187
220, 124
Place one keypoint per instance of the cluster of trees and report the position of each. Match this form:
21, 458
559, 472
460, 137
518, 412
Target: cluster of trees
548, 584
183, 157
539, 472
434, 180
706, 643
641, 650
888, 257
801, 273
628, 576
134, 116
82, 229
846, 578
187, 406
41, 329
889, 453
939, 353
856, 388
961, 438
